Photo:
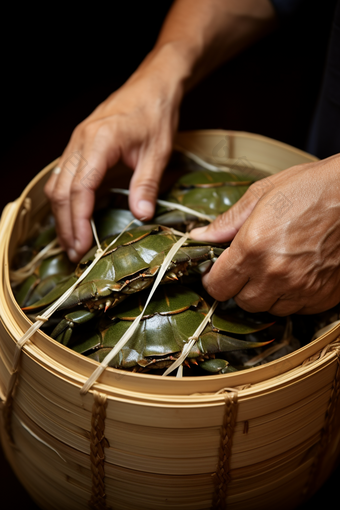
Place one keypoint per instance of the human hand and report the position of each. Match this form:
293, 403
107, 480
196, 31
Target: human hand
135, 124
285, 256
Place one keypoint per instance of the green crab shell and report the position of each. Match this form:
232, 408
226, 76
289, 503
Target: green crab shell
170, 319
46, 277
207, 192
209, 178
111, 221
129, 266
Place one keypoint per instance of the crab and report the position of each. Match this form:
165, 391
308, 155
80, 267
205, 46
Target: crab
169, 320
208, 192
129, 265
46, 275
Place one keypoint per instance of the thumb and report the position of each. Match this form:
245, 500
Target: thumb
145, 182
225, 227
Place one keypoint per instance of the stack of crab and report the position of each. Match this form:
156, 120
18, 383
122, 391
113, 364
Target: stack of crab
102, 307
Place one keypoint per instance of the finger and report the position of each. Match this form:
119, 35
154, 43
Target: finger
145, 181
225, 227
69, 160
323, 299
257, 295
61, 210
284, 307
100, 154
50, 184
227, 276
57, 189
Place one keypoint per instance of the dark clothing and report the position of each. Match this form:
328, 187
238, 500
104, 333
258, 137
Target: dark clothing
287, 8
324, 137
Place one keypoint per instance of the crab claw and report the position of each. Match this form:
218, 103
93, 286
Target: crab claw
108, 303
171, 275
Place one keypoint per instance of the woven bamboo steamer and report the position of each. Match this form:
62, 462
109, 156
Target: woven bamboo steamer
267, 436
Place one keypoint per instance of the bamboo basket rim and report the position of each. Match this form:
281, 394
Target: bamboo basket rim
231, 134
77, 368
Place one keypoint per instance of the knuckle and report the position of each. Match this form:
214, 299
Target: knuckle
221, 221
103, 131
165, 146
253, 187
229, 216
78, 132
76, 189
249, 299
59, 197
250, 295
253, 243
279, 270
48, 189
284, 308
161, 149
148, 186
213, 290
85, 130
260, 188
305, 283
279, 273
295, 285
248, 305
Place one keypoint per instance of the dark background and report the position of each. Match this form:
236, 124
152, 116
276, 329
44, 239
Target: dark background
57, 66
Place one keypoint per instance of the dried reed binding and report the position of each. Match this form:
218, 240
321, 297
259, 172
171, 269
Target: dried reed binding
327, 430
222, 475
97, 455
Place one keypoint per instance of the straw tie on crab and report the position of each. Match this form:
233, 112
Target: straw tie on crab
21, 274
40, 319
128, 334
197, 159
173, 205
192, 340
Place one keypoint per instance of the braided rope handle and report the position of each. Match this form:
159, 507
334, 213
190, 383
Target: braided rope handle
328, 427
97, 452
222, 475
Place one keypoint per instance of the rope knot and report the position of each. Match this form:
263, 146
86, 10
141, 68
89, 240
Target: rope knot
41, 318
193, 338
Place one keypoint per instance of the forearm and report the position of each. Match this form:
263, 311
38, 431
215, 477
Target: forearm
199, 35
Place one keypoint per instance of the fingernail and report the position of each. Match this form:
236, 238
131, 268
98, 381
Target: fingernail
198, 232
72, 254
145, 208
77, 246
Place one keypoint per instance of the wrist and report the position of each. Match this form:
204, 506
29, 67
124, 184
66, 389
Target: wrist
170, 67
